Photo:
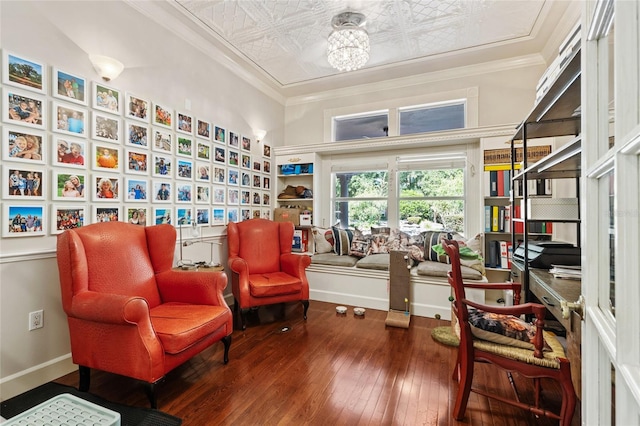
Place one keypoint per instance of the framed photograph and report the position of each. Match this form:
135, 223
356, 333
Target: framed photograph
70, 87
203, 194
162, 191
25, 109
137, 162
68, 119
218, 216
184, 147
245, 179
184, 123
105, 128
23, 72
257, 181
266, 151
232, 177
220, 135
106, 214
162, 140
137, 215
266, 182
136, 108
203, 129
256, 198
162, 215
184, 169
266, 199
219, 174
266, 166
234, 158
68, 186
105, 188
203, 150
202, 216
233, 196
137, 190
23, 221
232, 214
246, 144
68, 152
203, 171
219, 155
184, 216
184, 192
266, 214
25, 145
162, 116
23, 182
256, 213
257, 166
245, 198
245, 161
65, 217
106, 99
219, 195
245, 214
234, 140
161, 165
106, 157
137, 135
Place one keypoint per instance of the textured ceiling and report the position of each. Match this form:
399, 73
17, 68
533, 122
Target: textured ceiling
286, 39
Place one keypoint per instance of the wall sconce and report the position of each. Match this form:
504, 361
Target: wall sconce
106, 67
260, 134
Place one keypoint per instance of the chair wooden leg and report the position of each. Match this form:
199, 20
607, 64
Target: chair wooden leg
568, 399
227, 344
305, 303
152, 391
239, 313
85, 378
464, 388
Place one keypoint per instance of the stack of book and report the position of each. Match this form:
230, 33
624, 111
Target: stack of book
567, 272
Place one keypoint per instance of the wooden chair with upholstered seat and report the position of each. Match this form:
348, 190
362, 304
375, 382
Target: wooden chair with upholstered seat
539, 358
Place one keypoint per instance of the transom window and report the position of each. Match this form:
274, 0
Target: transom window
362, 126
432, 118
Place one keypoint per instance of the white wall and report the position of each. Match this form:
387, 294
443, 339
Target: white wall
159, 67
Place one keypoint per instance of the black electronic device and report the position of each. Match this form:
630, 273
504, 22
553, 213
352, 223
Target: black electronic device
541, 254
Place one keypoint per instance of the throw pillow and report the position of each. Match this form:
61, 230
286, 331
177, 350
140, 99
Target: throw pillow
360, 245
342, 239
379, 244
431, 239
322, 240
503, 329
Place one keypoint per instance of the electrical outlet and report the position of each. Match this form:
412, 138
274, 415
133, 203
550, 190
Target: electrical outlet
36, 319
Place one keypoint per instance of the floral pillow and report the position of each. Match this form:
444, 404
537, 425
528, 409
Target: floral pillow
360, 245
379, 244
503, 329
322, 240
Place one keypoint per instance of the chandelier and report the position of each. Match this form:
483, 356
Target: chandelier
348, 44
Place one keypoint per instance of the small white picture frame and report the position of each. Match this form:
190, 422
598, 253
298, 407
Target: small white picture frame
232, 215
184, 169
245, 214
162, 165
136, 108
138, 215
234, 140
184, 146
69, 119
106, 157
203, 129
220, 135
162, 215
105, 188
106, 99
266, 167
203, 150
106, 214
245, 179
162, 116
256, 198
245, 197
137, 190
266, 214
23, 145
219, 174
245, 161
203, 194
23, 182
218, 216
233, 176
219, 195
219, 155
184, 123
202, 216
136, 161
266, 150
233, 196
12, 72
68, 86
256, 181
136, 134
184, 193
24, 108
69, 185
162, 140
67, 216
162, 191
184, 216
203, 171
233, 158
69, 152
246, 143
266, 198
24, 220
106, 128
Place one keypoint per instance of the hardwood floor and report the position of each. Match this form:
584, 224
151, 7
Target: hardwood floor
331, 369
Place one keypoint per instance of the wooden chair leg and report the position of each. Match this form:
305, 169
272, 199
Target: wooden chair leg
568, 399
305, 303
85, 378
227, 344
152, 393
464, 389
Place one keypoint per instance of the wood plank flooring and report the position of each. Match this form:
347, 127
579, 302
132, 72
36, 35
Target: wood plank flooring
330, 370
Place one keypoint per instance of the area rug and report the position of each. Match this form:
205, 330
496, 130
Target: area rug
129, 416
445, 335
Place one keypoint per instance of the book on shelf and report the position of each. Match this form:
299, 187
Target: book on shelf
498, 183
506, 253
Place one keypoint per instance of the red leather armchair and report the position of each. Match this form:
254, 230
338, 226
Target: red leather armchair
128, 311
264, 271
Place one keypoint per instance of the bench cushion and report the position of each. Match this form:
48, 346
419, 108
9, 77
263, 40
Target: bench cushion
437, 269
333, 259
378, 262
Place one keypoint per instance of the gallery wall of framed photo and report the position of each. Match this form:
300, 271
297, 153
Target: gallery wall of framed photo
76, 152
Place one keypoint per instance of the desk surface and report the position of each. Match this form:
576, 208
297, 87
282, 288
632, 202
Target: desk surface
568, 290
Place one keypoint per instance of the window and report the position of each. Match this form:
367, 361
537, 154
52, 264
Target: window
432, 118
362, 126
360, 199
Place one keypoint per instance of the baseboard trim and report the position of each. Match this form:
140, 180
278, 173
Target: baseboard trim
35, 376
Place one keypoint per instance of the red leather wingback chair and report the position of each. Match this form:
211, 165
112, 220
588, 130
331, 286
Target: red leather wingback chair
128, 311
264, 271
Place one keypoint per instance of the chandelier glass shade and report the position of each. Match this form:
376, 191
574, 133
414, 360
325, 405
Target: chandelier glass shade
348, 44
